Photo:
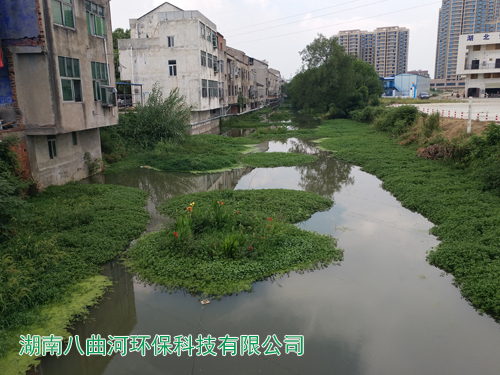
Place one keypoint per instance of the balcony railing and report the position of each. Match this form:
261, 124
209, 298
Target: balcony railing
483, 65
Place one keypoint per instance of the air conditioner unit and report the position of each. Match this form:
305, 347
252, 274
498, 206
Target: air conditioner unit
108, 96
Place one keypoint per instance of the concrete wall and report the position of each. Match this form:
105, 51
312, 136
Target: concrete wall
35, 95
146, 26
146, 60
69, 164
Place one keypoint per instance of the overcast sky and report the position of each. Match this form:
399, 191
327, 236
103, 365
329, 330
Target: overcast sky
276, 30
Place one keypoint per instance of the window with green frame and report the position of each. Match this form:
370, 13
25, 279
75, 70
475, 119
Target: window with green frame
71, 84
99, 79
62, 12
96, 20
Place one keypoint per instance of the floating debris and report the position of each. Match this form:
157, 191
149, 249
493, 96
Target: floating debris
205, 302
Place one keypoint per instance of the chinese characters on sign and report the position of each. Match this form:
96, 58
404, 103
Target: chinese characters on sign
163, 345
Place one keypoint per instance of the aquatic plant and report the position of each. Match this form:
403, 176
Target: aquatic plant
62, 237
236, 238
466, 218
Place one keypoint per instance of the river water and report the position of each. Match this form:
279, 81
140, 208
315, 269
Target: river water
384, 310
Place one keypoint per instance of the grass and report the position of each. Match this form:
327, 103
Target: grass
466, 218
389, 101
247, 121
231, 239
199, 153
277, 159
62, 238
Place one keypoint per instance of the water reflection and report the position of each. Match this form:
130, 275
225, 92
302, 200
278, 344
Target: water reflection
383, 311
162, 186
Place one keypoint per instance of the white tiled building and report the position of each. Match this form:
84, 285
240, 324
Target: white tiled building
478, 59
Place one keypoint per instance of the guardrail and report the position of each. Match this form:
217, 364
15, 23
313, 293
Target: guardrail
478, 116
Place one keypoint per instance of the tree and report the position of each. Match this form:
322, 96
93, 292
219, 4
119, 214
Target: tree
332, 82
118, 34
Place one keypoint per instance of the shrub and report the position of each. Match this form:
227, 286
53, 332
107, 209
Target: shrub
367, 114
388, 120
430, 124
10, 187
159, 119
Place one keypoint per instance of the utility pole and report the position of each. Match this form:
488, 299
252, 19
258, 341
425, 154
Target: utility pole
469, 125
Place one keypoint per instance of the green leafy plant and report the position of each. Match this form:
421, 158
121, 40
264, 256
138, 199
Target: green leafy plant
238, 237
93, 164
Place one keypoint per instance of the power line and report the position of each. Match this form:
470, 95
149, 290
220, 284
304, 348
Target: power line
342, 23
323, 15
295, 15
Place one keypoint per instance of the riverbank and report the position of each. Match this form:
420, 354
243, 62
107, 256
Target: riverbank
466, 218
52, 260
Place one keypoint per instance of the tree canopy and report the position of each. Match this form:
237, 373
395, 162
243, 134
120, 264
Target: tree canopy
118, 34
331, 81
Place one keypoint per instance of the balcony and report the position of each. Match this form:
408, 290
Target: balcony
476, 65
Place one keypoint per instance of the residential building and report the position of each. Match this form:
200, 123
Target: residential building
460, 17
385, 48
56, 84
274, 84
183, 50
478, 60
178, 50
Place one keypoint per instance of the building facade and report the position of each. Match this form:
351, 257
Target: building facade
175, 49
479, 62
56, 84
456, 18
183, 50
385, 48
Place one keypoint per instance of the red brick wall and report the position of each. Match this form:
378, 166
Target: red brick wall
24, 163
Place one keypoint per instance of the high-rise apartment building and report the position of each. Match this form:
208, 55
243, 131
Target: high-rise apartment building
458, 17
386, 48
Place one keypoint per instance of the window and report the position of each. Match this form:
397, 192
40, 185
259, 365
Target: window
99, 79
202, 30
497, 63
172, 68
209, 34
62, 12
170, 40
69, 71
476, 48
204, 93
51, 140
210, 61
487, 75
73, 136
203, 58
473, 76
96, 21
212, 89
